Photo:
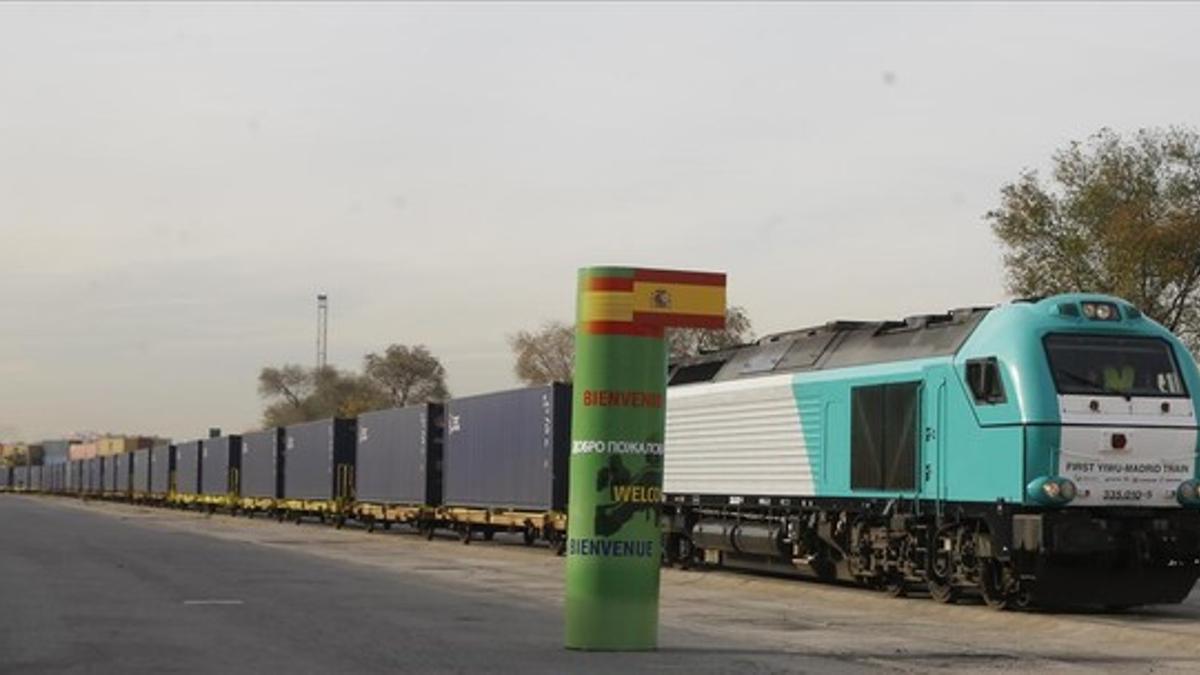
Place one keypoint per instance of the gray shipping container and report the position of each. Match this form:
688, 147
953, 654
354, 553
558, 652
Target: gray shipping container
55, 452
222, 455
162, 465
141, 470
74, 484
318, 459
93, 473
261, 474
398, 457
35, 478
188, 469
122, 471
111, 471
508, 449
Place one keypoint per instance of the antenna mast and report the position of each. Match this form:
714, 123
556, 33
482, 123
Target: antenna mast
322, 330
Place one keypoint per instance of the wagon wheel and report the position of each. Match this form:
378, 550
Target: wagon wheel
556, 540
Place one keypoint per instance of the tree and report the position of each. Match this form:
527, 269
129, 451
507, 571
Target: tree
292, 382
683, 342
545, 355
548, 354
1119, 216
408, 375
298, 394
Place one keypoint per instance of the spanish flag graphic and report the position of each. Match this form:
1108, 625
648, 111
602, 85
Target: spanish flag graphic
638, 301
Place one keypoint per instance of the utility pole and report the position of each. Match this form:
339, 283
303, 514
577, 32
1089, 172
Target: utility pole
322, 330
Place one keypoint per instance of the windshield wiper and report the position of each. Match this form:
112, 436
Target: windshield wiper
1081, 379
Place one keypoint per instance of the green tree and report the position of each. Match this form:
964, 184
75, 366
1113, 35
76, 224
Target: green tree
407, 375
1118, 215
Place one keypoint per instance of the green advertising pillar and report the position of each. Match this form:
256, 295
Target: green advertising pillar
614, 544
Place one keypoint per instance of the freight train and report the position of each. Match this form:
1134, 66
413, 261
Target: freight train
1037, 453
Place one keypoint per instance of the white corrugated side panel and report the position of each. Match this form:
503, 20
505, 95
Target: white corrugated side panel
742, 437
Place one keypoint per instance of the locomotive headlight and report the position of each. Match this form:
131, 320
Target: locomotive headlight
1100, 311
1051, 491
1188, 493
1066, 490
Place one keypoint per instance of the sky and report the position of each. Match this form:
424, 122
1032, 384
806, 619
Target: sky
179, 181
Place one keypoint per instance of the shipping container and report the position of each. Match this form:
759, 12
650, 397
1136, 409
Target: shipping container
319, 460
55, 452
20, 478
110, 472
95, 475
261, 473
398, 457
141, 471
162, 468
508, 449
82, 451
188, 468
122, 471
72, 483
5, 476
222, 458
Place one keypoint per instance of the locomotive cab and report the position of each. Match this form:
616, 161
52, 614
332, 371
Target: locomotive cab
1105, 399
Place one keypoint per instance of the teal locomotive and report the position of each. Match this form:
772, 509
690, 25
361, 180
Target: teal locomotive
1041, 452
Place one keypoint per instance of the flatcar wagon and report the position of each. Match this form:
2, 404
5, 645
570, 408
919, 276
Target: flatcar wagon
1037, 452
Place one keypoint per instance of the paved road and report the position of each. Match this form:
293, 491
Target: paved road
102, 590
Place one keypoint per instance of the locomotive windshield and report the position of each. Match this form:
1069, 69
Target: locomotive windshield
1104, 364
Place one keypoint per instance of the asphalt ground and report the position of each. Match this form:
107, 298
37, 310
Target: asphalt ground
105, 587
95, 590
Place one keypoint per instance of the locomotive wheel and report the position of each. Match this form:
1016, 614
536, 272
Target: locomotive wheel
894, 586
992, 584
942, 592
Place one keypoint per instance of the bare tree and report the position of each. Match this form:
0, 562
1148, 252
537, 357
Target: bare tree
683, 342
297, 394
545, 355
548, 353
408, 375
